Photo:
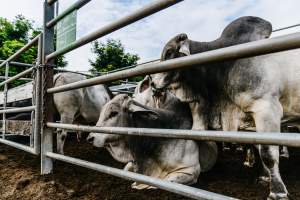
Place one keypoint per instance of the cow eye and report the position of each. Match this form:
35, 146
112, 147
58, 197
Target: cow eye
113, 114
168, 54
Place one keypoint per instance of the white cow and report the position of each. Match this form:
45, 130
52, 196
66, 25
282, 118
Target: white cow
173, 114
265, 88
175, 160
86, 103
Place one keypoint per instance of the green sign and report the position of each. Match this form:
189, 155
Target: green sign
66, 30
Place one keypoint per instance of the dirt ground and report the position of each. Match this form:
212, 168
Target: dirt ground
20, 179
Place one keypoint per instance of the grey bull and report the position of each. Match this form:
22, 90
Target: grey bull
84, 103
263, 88
148, 96
173, 160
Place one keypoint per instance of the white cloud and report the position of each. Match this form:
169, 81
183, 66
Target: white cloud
200, 19
31, 9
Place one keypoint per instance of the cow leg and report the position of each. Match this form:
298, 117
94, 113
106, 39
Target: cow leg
78, 135
250, 157
183, 178
230, 120
66, 118
284, 152
130, 166
267, 116
264, 177
197, 110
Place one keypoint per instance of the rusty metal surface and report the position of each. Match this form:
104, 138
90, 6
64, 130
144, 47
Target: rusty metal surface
18, 127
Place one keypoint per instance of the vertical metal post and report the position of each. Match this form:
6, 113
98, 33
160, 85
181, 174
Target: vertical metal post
32, 121
56, 8
38, 99
5, 101
47, 82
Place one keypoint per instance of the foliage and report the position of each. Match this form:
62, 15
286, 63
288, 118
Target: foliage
111, 56
13, 36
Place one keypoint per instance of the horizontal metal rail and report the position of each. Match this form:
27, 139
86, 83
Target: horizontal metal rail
22, 79
132, 66
260, 47
285, 139
74, 72
16, 77
129, 19
50, 2
18, 110
287, 27
129, 82
180, 189
103, 73
121, 91
18, 64
20, 51
78, 4
19, 146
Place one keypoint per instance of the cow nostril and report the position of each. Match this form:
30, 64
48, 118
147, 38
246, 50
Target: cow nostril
90, 139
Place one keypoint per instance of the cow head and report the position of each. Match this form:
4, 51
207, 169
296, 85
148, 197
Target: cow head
121, 111
149, 96
241, 30
175, 48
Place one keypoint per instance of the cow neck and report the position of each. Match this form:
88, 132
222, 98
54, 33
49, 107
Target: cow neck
210, 77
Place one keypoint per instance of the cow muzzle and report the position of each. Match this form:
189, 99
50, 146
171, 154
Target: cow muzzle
98, 139
90, 139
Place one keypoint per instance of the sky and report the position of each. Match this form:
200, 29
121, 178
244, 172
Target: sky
202, 20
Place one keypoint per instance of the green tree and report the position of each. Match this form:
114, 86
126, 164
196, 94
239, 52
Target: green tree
111, 56
13, 36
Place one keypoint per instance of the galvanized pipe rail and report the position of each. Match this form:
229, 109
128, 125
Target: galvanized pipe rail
36, 134
78, 4
16, 77
5, 101
21, 79
291, 41
259, 47
18, 110
169, 186
129, 19
19, 64
19, 146
268, 138
23, 49
37, 100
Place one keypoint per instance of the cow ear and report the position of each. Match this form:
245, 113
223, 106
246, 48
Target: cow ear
185, 48
247, 29
181, 37
184, 45
144, 84
139, 111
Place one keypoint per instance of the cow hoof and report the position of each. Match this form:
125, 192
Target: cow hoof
140, 186
225, 149
285, 155
264, 180
279, 196
249, 164
240, 149
129, 167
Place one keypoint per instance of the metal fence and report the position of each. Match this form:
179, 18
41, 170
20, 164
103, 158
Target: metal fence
35, 109
43, 98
